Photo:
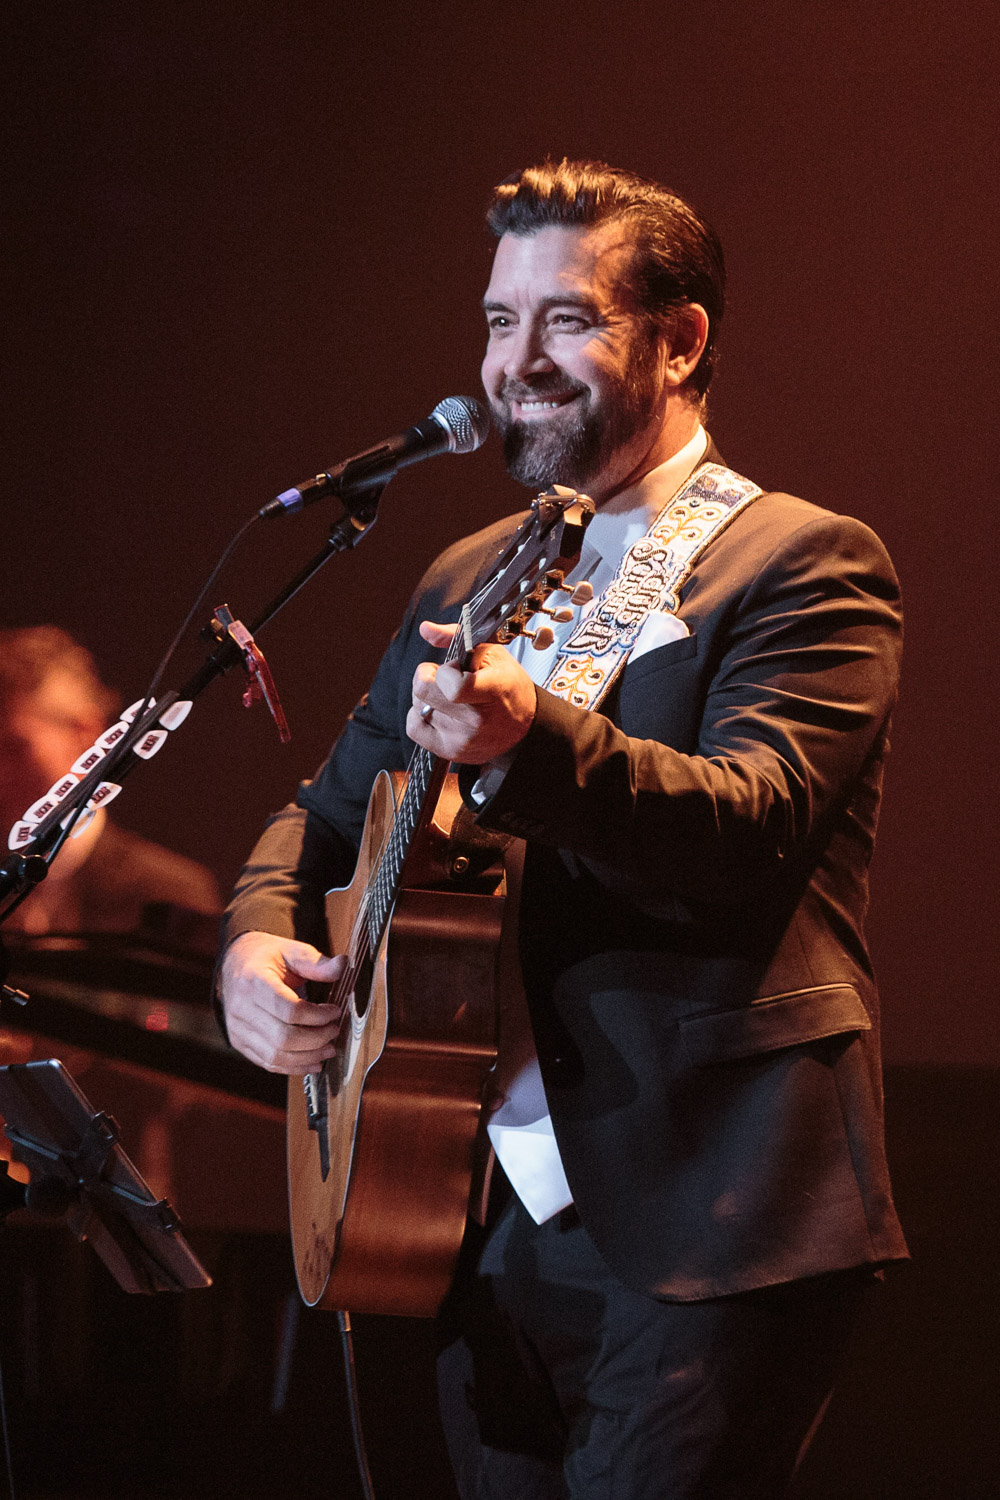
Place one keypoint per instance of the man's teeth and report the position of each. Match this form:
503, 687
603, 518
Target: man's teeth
542, 405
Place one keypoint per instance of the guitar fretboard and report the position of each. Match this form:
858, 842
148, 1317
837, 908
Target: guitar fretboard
384, 884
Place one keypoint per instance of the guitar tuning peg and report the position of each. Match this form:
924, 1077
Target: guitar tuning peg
542, 638
582, 593
561, 616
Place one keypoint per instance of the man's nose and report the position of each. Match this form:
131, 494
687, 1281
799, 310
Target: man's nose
527, 355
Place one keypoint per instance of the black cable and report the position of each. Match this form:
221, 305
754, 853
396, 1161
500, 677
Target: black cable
6, 1439
134, 731
353, 1405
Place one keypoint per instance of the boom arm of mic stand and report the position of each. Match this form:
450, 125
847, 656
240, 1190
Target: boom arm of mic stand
345, 534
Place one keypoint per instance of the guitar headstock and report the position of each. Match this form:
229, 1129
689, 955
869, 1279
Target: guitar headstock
533, 565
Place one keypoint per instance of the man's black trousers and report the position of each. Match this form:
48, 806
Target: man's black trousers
558, 1382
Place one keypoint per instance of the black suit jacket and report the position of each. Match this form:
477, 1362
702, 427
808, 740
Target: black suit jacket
694, 894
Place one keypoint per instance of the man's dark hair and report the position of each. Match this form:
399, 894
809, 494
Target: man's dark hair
678, 256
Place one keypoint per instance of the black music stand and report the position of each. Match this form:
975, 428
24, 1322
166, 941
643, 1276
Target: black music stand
81, 1176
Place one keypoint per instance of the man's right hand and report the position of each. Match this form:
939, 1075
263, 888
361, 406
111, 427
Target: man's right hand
267, 1017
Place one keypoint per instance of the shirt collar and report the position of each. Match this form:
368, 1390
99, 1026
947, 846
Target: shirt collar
628, 515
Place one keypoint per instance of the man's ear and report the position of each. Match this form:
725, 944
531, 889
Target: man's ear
684, 345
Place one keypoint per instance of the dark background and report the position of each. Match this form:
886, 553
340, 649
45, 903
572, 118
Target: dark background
246, 239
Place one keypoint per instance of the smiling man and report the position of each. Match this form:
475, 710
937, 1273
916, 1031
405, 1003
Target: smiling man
578, 378
694, 1192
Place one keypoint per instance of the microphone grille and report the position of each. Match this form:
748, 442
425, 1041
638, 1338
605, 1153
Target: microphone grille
466, 421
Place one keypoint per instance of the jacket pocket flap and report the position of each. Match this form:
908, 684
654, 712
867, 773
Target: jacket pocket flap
779, 1021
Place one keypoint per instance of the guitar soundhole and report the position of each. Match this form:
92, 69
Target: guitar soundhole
363, 984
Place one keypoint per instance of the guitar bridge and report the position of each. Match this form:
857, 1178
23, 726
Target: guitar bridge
317, 1095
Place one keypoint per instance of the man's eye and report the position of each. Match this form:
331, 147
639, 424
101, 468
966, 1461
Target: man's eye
569, 321
498, 321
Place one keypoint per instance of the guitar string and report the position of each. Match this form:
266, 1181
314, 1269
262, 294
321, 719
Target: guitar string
423, 761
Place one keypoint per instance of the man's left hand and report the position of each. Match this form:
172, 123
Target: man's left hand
475, 716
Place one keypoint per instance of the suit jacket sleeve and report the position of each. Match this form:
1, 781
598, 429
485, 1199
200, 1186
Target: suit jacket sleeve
803, 679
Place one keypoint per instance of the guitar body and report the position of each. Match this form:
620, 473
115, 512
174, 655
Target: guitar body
380, 1172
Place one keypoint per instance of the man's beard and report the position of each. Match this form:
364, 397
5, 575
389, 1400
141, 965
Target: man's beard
562, 451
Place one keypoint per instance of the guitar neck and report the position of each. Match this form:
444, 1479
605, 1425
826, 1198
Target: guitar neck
424, 776
528, 569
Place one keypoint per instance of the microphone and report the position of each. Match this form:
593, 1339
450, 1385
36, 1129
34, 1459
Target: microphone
458, 424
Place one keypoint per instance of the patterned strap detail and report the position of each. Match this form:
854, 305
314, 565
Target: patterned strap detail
649, 578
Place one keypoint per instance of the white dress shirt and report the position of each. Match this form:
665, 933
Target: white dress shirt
520, 1126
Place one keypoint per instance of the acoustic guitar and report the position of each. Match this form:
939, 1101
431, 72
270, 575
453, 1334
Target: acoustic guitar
381, 1142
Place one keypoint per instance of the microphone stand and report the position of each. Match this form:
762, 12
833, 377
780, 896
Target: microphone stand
165, 1262
133, 1233
22, 870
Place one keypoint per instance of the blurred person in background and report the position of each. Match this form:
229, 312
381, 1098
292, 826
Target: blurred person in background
53, 706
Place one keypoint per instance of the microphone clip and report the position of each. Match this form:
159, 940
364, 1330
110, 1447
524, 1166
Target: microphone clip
260, 684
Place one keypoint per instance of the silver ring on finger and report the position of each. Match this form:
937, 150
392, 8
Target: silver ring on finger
426, 713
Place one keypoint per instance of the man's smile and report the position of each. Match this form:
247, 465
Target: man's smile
539, 406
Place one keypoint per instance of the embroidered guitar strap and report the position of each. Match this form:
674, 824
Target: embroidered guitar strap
649, 579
